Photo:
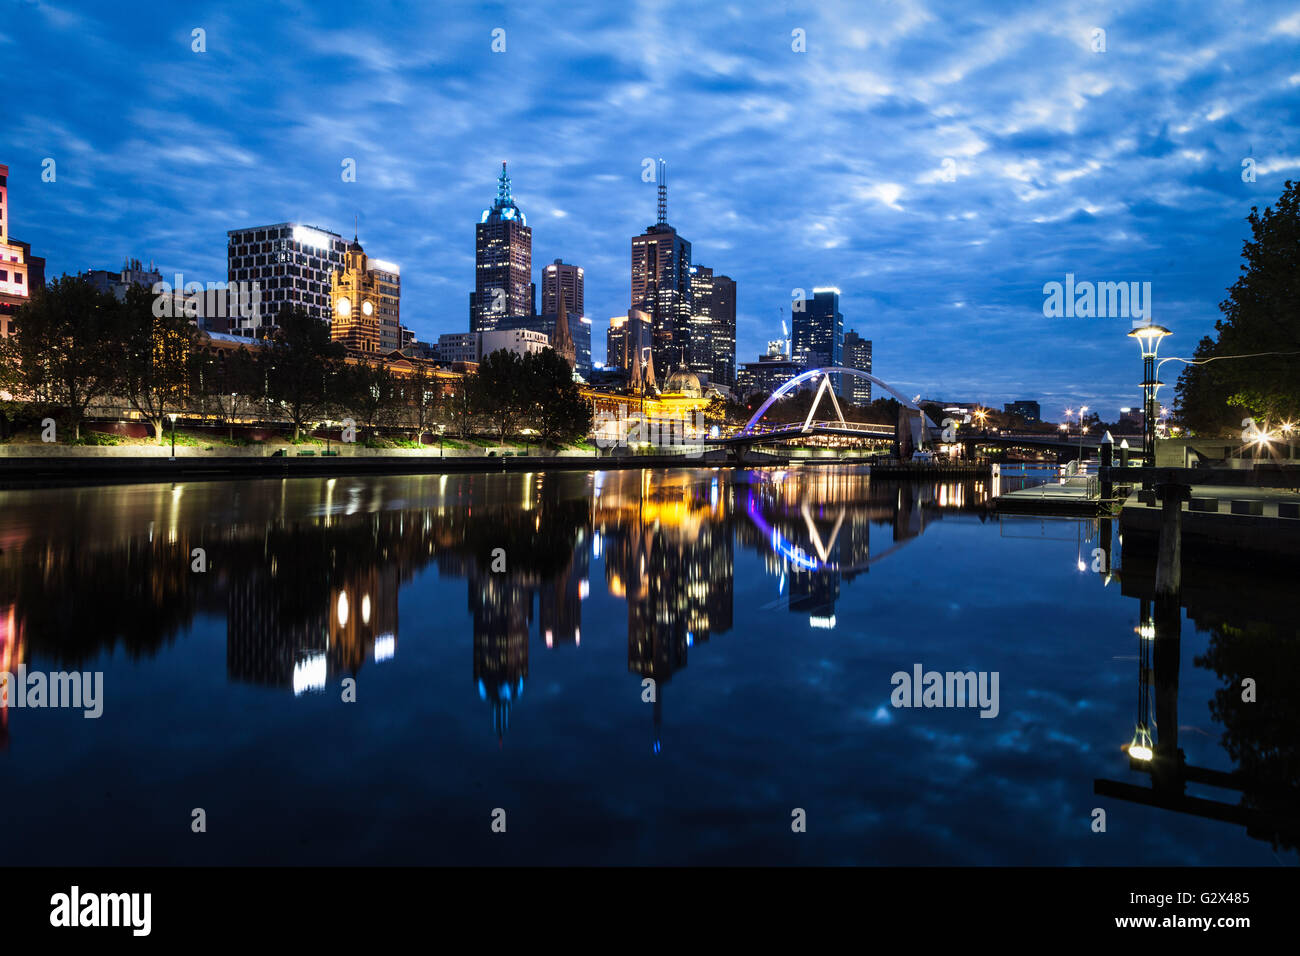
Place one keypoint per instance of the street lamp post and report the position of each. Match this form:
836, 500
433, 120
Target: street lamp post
1079, 459
172, 416
1148, 338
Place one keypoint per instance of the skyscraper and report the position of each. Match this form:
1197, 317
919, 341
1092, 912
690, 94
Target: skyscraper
661, 285
713, 326
857, 354
503, 262
568, 279
817, 331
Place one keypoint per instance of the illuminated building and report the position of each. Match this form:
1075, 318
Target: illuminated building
1032, 412
857, 354
713, 326
293, 265
661, 284
519, 341
817, 332
21, 273
365, 301
628, 335
568, 279
503, 262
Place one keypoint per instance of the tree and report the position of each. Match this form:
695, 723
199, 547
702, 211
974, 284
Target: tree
555, 407
301, 367
422, 394
64, 348
218, 380
498, 392
154, 372
373, 392
1260, 315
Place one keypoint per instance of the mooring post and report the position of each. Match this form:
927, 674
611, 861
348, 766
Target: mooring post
1123, 453
1169, 565
1107, 460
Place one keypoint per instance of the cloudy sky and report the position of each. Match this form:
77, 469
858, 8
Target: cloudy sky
938, 162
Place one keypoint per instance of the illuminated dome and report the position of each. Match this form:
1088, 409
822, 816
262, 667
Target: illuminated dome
684, 382
504, 209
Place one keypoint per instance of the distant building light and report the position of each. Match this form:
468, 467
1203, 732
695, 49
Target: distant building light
826, 623
829, 288
385, 647
383, 265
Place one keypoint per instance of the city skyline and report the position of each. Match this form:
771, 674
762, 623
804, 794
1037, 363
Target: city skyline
965, 177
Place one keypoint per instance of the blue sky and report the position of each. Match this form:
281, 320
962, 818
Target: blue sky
786, 170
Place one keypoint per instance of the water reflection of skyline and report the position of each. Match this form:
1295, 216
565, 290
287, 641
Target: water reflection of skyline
307, 577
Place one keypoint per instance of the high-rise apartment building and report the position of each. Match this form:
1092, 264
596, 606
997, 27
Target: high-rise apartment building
857, 354
568, 279
661, 285
503, 262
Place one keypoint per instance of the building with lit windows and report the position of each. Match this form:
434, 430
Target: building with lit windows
292, 264
661, 285
713, 325
365, 302
503, 263
817, 332
21, 273
857, 354
568, 280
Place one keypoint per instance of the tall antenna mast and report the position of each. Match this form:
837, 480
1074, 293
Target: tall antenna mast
663, 193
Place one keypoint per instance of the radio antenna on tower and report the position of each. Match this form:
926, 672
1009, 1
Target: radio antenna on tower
662, 173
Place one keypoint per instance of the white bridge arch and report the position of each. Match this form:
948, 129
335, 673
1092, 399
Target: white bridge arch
922, 420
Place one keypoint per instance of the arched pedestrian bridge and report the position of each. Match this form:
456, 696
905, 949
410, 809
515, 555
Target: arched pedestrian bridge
758, 432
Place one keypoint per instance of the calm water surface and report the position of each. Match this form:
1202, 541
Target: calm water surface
770, 608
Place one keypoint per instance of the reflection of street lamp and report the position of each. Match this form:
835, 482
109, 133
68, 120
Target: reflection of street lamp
1148, 338
172, 416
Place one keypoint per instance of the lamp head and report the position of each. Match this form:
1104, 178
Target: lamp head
1148, 338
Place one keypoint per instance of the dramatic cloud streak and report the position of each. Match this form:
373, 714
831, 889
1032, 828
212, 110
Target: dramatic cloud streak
937, 162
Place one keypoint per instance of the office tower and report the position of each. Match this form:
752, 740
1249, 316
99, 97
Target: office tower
21, 273
817, 332
857, 354
661, 285
365, 301
503, 263
713, 326
292, 265
628, 336
569, 280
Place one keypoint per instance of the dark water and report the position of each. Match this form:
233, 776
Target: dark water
771, 610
